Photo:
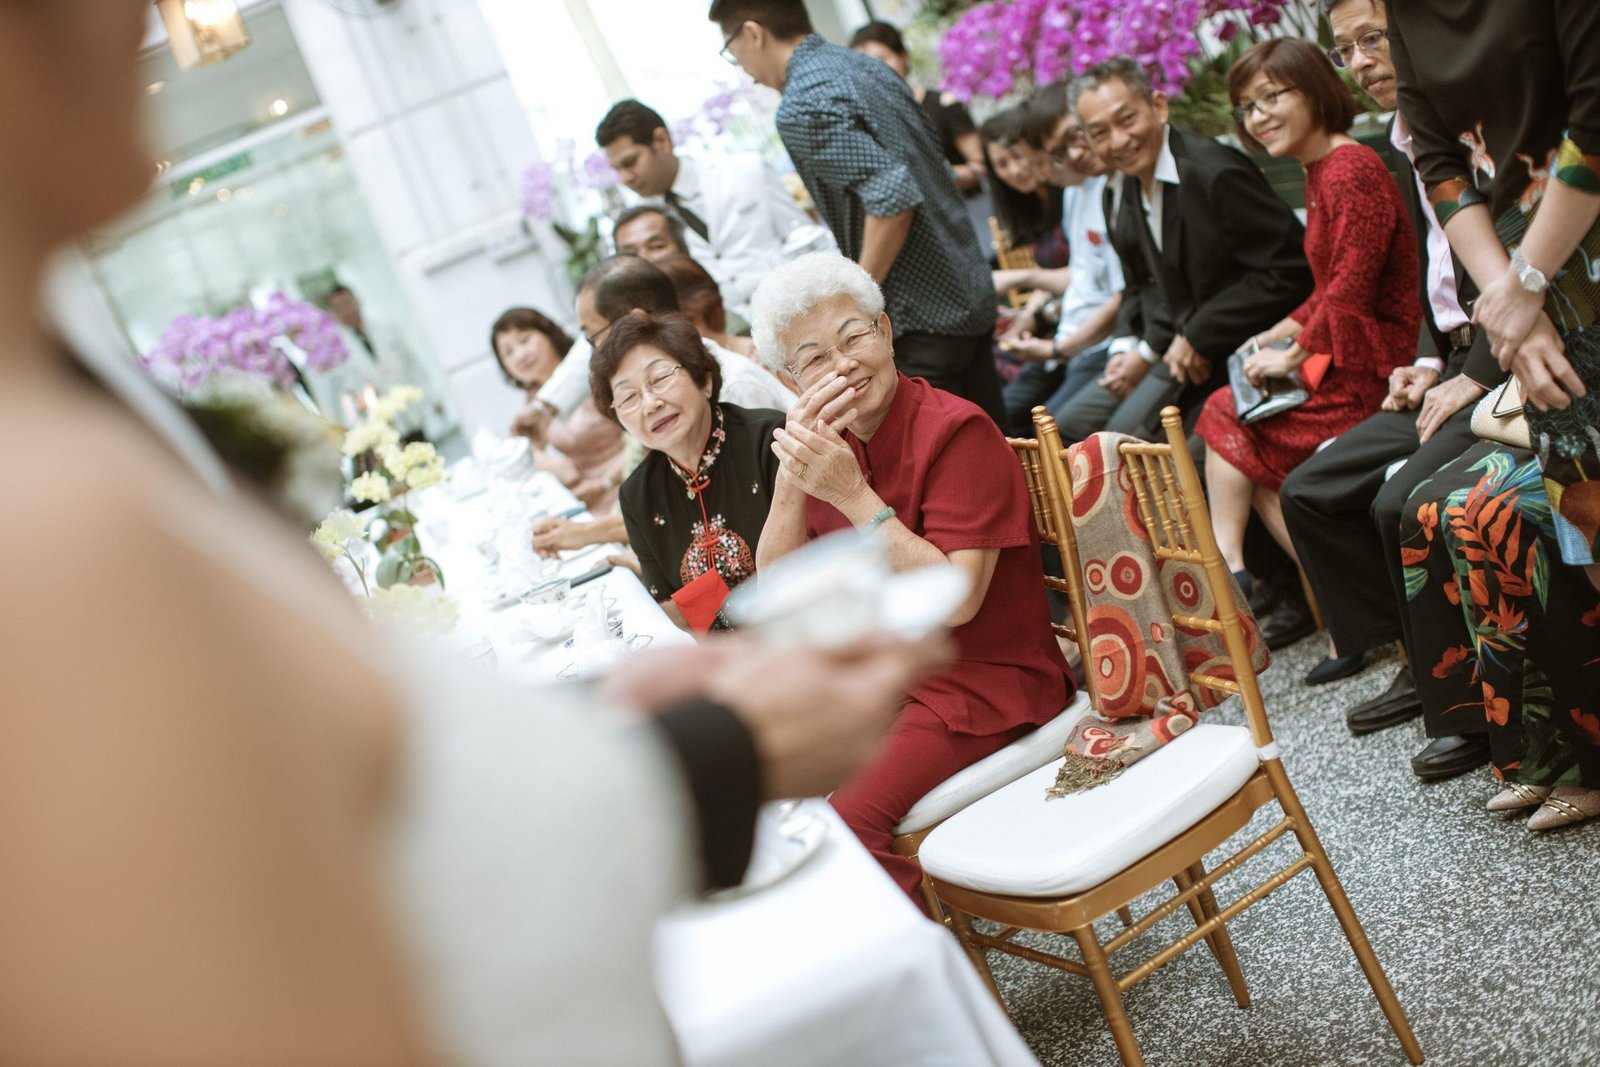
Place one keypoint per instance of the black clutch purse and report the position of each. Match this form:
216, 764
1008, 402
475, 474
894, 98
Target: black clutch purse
1252, 403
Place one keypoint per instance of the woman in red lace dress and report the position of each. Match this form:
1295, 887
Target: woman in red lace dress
1361, 320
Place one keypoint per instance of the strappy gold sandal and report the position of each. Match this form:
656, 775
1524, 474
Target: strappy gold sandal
1518, 797
1567, 806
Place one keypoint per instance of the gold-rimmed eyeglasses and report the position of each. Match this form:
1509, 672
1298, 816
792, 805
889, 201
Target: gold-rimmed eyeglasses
811, 366
626, 401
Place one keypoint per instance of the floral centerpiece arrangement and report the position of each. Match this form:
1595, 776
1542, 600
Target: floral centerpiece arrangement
343, 536
249, 341
391, 471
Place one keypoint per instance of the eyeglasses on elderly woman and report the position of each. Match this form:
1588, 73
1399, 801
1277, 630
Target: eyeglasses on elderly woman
626, 400
811, 366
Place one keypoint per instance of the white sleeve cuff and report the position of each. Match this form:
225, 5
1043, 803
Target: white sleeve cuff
1147, 353
1119, 345
1433, 363
568, 386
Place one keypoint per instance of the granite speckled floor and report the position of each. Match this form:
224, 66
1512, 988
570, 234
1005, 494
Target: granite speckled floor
1490, 934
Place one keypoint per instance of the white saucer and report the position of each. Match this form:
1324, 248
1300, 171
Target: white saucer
779, 852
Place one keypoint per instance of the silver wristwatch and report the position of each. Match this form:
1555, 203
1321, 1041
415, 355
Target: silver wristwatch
1530, 277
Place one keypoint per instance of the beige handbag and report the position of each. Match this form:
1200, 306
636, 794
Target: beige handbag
1498, 416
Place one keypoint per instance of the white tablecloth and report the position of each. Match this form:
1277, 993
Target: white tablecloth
453, 529
832, 965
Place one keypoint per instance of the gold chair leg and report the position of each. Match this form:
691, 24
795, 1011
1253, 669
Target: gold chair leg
1346, 914
1094, 958
935, 905
1125, 913
1203, 907
961, 923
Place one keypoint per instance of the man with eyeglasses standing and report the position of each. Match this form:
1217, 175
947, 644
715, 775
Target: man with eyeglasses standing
1341, 506
870, 157
1210, 255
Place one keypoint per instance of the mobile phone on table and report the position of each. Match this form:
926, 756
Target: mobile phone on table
600, 570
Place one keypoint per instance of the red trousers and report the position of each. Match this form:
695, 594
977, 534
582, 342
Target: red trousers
917, 754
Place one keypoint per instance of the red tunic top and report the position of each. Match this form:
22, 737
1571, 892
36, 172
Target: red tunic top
1364, 312
944, 467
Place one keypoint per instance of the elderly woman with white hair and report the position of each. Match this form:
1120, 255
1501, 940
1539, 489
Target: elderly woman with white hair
865, 446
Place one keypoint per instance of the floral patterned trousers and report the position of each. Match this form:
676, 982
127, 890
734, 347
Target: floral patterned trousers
1507, 636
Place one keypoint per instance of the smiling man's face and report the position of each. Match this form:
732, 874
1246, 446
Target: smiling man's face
1123, 127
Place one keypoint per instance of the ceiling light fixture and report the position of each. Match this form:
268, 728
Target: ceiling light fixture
202, 32
280, 107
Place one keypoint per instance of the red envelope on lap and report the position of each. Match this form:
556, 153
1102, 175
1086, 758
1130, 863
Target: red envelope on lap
701, 599
1312, 370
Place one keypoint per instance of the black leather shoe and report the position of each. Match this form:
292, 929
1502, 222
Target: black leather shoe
1397, 704
1446, 757
1287, 624
1333, 668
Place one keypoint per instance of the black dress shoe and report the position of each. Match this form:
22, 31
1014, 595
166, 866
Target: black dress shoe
1446, 757
1287, 624
1397, 704
1333, 668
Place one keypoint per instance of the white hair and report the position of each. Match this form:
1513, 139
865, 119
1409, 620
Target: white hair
800, 285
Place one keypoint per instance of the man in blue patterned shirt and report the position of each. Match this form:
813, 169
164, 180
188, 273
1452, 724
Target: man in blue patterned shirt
872, 162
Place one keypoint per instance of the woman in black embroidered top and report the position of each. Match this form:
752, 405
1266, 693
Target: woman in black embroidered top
695, 506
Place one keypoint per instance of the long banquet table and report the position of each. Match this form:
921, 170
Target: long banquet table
833, 964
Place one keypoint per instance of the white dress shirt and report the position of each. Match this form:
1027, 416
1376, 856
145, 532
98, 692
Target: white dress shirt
1443, 299
1152, 200
753, 222
1096, 274
744, 382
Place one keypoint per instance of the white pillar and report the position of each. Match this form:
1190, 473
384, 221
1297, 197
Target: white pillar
437, 143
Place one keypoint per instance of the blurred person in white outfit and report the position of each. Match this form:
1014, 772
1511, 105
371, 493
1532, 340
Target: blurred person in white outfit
252, 828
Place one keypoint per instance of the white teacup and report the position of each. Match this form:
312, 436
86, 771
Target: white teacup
825, 595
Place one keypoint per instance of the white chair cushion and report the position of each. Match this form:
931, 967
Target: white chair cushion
1017, 842
1025, 754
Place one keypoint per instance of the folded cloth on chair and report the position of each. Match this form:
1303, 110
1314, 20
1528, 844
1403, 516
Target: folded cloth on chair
1142, 660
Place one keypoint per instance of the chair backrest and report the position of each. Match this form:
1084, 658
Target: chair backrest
1052, 517
1011, 258
1172, 508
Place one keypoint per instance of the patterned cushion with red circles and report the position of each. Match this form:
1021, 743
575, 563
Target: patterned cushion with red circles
1141, 660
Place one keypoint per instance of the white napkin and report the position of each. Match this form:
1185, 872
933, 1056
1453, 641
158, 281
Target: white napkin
484, 442
592, 628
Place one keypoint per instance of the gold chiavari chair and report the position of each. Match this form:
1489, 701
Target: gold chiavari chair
1011, 258
1033, 751
1056, 866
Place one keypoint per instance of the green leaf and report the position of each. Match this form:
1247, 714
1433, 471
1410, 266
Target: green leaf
1416, 581
392, 570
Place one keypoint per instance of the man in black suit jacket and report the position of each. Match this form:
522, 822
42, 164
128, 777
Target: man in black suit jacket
1210, 255
1341, 506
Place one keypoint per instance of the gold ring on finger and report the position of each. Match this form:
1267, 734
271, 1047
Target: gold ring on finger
804, 467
